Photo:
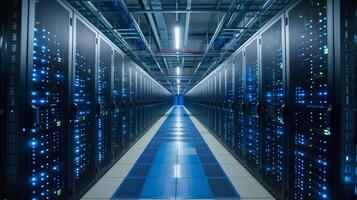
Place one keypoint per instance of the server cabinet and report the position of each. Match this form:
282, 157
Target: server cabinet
212, 113
221, 97
125, 103
13, 140
131, 100
251, 110
117, 111
274, 138
309, 100
239, 135
136, 105
345, 53
103, 103
48, 100
140, 101
229, 104
216, 110
83, 104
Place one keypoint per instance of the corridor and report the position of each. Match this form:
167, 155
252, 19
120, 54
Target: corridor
178, 162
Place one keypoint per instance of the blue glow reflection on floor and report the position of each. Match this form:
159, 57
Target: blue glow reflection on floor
177, 163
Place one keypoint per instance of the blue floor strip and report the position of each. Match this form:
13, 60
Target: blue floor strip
177, 163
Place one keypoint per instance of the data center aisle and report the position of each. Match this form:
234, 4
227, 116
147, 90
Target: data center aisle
177, 163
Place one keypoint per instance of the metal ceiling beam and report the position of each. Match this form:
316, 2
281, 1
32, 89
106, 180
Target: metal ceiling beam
225, 17
154, 29
136, 26
180, 11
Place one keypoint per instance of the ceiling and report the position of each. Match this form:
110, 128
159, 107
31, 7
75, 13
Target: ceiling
210, 31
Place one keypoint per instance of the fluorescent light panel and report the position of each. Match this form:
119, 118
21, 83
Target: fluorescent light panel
177, 37
178, 71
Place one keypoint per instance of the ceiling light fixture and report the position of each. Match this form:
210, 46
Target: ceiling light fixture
177, 37
178, 71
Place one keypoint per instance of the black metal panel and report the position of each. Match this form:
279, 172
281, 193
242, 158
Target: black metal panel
126, 101
48, 85
273, 101
83, 105
117, 121
229, 104
13, 44
346, 57
251, 98
239, 136
309, 100
131, 100
104, 104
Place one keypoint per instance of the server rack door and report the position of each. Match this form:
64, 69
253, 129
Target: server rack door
216, 110
136, 108
140, 101
212, 113
131, 97
83, 105
251, 98
219, 104
125, 104
12, 95
273, 103
49, 102
103, 103
239, 134
229, 104
145, 102
117, 111
309, 100
346, 57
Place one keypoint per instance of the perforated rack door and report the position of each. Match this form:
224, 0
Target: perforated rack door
251, 98
83, 104
273, 102
125, 104
239, 135
103, 104
48, 84
229, 103
117, 111
309, 100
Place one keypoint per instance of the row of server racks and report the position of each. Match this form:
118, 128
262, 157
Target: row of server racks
71, 103
285, 102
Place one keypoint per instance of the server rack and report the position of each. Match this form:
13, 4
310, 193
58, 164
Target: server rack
239, 74
136, 107
273, 102
251, 110
82, 102
103, 107
117, 111
130, 98
345, 25
48, 99
12, 95
126, 101
309, 99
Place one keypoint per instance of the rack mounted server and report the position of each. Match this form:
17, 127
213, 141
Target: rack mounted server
285, 102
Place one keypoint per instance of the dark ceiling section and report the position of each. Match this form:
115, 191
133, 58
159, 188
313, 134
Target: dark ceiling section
210, 31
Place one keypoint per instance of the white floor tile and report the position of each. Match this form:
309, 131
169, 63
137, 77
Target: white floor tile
104, 188
235, 171
248, 187
118, 171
